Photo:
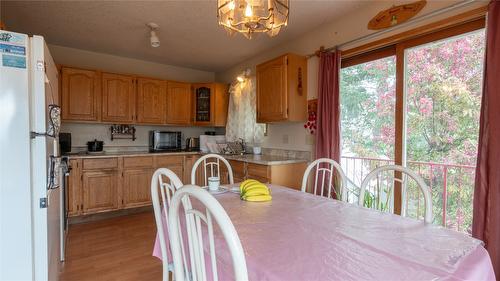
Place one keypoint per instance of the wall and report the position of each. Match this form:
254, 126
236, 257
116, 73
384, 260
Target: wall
81, 133
344, 29
92, 60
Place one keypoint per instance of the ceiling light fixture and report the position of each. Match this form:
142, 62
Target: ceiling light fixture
154, 40
253, 16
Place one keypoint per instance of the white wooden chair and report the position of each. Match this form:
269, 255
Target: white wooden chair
389, 193
213, 166
325, 168
161, 202
209, 211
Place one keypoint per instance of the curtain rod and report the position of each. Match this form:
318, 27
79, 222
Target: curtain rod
404, 24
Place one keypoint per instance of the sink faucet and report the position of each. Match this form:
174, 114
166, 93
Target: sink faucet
243, 145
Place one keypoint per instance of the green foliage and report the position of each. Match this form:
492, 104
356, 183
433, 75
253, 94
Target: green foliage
443, 98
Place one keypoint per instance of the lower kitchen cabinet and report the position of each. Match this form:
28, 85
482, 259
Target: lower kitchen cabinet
99, 185
74, 189
289, 175
100, 190
136, 188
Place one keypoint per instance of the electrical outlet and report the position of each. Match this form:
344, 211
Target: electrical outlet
285, 139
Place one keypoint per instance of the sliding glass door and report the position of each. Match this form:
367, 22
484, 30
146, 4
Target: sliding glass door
417, 104
368, 99
443, 87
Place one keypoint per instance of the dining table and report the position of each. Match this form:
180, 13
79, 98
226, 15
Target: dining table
301, 236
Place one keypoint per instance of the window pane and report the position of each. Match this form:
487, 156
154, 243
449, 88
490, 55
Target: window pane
367, 97
443, 99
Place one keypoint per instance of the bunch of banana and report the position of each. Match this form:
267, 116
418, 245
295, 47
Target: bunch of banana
255, 191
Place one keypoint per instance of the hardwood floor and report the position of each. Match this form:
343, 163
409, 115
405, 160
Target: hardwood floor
112, 249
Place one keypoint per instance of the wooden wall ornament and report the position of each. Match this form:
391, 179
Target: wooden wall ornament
396, 15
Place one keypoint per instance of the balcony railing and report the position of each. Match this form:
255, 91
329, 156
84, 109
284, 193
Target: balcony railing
451, 186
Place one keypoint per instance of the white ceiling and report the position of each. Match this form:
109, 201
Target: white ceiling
189, 33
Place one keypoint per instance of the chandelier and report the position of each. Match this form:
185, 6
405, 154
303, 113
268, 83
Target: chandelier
253, 16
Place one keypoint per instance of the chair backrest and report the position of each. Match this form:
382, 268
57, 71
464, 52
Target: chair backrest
324, 178
213, 167
209, 211
377, 202
166, 182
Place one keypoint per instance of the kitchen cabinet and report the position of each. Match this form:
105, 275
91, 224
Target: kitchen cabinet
136, 187
210, 104
102, 184
90, 96
136, 181
239, 168
175, 163
151, 101
289, 175
118, 98
100, 191
204, 102
80, 95
282, 89
188, 167
73, 189
259, 172
178, 103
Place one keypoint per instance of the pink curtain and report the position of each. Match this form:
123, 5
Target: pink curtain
328, 132
486, 220
328, 120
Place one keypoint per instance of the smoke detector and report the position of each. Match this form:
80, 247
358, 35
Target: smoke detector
154, 40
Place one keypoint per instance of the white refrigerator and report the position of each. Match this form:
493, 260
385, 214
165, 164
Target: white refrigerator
31, 233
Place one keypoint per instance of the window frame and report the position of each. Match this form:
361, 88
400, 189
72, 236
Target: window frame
398, 50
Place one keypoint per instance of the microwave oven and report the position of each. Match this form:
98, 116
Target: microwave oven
164, 141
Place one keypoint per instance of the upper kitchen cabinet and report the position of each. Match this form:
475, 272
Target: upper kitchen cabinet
221, 104
118, 98
210, 103
151, 101
80, 94
179, 103
282, 89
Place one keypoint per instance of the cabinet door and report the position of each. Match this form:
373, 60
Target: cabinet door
179, 103
203, 104
239, 170
272, 91
151, 101
188, 167
136, 187
73, 189
118, 98
80, 95
259, 172
100, 191
221, 104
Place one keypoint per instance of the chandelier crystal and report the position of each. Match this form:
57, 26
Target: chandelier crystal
253, 16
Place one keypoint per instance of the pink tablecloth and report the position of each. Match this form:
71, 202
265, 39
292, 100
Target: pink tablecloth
299, 236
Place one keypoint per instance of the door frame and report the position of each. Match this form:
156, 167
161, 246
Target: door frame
398, 50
